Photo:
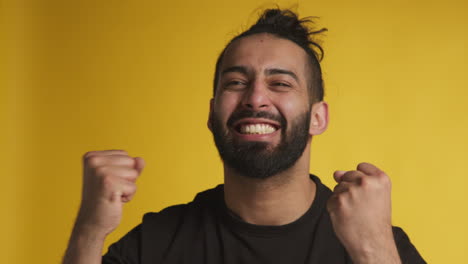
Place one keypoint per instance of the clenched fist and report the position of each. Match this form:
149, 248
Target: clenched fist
360, 210
108, 181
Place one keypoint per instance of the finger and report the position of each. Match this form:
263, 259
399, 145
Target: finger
116, 196
110, 160
104, 153
342, 187
338, 174
128, 193
125, 173
369, 169
121, 191
334, 203
139, 164
352, 176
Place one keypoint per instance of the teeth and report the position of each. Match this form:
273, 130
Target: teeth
257, 129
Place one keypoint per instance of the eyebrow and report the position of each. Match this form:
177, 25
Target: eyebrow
271, 71
239, 69
274, 71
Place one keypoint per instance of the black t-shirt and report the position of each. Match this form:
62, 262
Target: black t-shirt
204, 232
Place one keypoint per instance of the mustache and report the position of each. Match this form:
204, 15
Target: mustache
252, 114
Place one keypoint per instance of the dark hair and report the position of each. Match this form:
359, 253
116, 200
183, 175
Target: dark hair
287, 25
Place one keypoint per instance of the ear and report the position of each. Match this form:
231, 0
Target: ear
319, 118
210, 115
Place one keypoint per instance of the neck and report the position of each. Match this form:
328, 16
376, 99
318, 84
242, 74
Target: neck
277, 200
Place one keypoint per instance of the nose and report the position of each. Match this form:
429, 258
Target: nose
256, 97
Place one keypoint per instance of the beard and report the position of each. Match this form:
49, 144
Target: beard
257, 159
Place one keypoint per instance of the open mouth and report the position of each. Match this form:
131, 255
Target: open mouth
255, 127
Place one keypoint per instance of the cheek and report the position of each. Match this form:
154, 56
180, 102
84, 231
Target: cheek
291, 107
288, 106
224, 105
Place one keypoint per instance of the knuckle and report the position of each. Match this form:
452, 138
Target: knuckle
335, 189
357, 175
101, 171
352, 175
382, 175
133, 173
127, 161
364, 182
107, 182
88, 154
362, 164
93, 161
339, 201
386, 182
383, 178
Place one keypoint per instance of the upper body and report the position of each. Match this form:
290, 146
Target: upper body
205, 231
267, 106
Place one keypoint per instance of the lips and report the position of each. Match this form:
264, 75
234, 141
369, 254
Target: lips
256, 129
254, 126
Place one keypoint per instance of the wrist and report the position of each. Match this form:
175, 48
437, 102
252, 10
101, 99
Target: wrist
88, 232
89, 225
85, 246
376, 253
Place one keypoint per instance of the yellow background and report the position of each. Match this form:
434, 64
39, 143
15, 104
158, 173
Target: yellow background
136, 75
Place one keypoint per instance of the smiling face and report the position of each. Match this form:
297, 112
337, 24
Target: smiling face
260, 116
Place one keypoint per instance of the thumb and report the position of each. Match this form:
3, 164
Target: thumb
139, 164
338, 174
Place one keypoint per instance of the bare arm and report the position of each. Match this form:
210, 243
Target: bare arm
360, 210
84, 247
108, 182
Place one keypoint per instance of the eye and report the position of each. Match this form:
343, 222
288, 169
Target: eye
235, 85
281, 84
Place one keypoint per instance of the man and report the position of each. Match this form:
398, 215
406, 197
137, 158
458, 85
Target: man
267, 105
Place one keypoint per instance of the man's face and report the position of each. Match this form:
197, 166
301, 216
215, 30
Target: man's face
260, 115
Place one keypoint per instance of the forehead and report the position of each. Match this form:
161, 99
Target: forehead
260, 51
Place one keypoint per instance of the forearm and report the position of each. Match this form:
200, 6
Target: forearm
85, 247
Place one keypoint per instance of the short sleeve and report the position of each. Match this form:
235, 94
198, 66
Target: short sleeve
126, 250
408, 253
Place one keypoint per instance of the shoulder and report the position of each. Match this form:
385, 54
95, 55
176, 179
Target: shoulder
203, 201
126, 250
158, 229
